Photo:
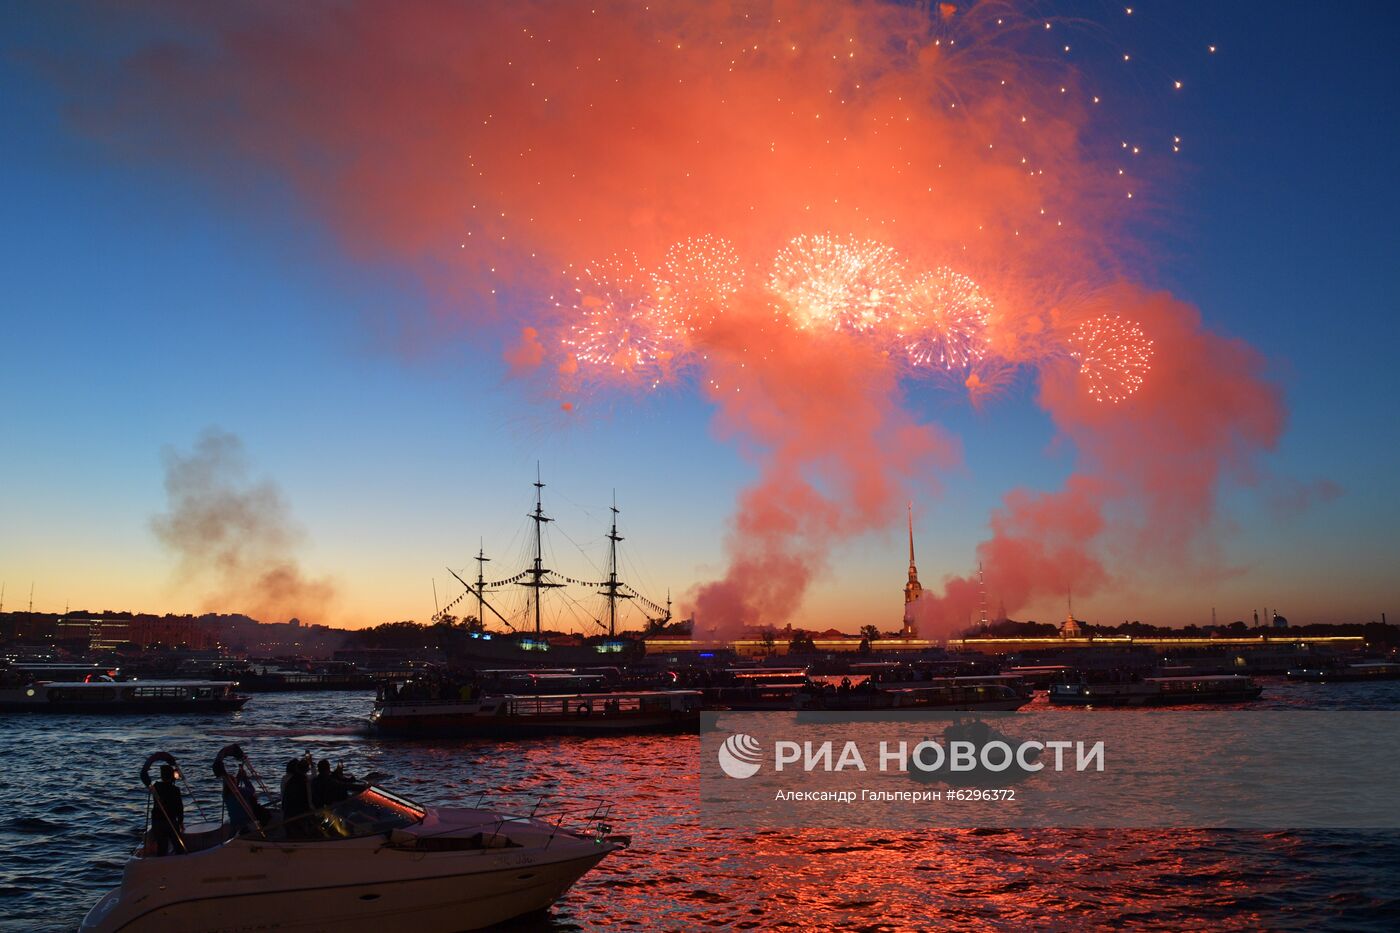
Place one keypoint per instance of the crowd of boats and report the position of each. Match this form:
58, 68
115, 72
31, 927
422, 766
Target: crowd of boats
330, 850
519, 703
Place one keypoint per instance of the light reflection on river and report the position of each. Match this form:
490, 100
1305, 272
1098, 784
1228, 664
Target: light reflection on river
71, 808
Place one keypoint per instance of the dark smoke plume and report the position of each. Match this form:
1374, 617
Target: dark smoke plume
235, 535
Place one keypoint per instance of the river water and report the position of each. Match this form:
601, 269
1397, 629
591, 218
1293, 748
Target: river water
71, 808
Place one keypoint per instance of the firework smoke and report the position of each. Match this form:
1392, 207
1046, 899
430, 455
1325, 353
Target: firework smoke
236, 534
825, 161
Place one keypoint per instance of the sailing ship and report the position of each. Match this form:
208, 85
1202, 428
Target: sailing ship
530, 645
443, 707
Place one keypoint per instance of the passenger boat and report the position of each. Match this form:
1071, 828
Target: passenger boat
756, 689
1361, 670
373, 862
1037, 676
105, 695
947, 696
511, 716
1158, 691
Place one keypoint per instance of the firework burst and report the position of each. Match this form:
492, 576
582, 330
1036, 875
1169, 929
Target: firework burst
833, 284
615, 327
1114, 355
696, 282
944, 324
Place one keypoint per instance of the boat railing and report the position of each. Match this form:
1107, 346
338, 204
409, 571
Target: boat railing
576, 815
426, 701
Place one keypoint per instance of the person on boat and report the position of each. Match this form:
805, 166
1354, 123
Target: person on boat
167, 813
326, 788
296, 799
241, 801
250, 794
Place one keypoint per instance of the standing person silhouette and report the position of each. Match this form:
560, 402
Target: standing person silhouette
167, 812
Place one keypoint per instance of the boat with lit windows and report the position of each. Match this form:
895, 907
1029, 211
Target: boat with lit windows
374, 861
406, 712
1158, 691
102, 694
756, 689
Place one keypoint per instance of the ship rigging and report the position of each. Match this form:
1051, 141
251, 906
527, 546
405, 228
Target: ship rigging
537, 578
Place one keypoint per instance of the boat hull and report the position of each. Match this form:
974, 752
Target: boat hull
120, 708
1242, 695
1343, 675
443, 903
484, 727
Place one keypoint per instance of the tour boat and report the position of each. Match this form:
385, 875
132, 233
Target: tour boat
373, 862
510, 716
105, 695
756, 689
1158, 691
1361, 670
947, 696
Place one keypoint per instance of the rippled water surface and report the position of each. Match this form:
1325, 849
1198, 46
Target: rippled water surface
71, 808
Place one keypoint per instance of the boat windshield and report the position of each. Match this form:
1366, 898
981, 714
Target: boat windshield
370, 812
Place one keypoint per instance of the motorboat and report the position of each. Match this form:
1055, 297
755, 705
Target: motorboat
374, 861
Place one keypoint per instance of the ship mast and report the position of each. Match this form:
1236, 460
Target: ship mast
481, 560
538, 571
611, 586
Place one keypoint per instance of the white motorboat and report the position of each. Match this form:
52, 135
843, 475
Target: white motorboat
373, 862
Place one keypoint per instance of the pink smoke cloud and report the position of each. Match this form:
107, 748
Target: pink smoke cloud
511, 145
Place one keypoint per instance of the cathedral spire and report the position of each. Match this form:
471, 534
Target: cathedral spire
913, 571
912, 589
